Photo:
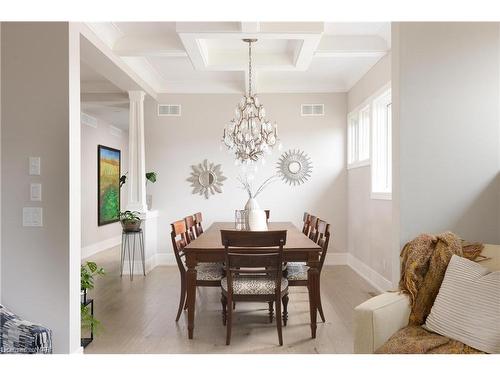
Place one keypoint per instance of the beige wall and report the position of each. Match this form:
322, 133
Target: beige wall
369, 220
97, 238
40, 100
447, 129
175, 143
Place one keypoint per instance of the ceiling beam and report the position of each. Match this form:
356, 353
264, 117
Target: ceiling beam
150, 45
95, 53
107, 99
250, 27
351, 46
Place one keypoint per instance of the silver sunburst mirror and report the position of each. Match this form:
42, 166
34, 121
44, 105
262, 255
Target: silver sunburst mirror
206, 179
294, 167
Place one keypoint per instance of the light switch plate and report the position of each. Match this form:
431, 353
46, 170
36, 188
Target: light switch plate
32, 217
36, 192
34, 168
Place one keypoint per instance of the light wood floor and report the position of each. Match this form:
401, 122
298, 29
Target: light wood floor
139, 316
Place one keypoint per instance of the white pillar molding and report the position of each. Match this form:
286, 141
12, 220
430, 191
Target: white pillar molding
136, 179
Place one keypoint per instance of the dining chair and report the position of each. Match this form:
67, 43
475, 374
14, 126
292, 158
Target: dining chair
208, 274
198, 228
296, 273
253, 274
190, 226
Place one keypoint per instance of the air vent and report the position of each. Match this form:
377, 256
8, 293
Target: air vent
114, 131
313, 110
169, 109
88, 120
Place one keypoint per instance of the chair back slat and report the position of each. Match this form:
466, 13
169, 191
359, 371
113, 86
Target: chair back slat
190, 228
243, 259
251, 239
313, 228
179, 238
198, 218
323, 240
307, 222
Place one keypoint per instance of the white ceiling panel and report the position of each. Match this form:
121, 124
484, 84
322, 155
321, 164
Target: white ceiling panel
211, 57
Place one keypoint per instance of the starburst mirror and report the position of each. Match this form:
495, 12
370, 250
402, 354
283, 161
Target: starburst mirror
294, 167
206, 179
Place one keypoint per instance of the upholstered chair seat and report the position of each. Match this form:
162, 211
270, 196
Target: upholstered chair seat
296, 271
244, 285
209, 271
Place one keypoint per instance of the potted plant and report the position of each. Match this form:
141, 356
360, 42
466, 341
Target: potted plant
130, 220
151, 177
88, 271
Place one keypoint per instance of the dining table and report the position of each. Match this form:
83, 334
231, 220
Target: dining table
208, 248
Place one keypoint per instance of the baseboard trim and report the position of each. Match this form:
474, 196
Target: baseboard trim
362, 269
163, 259
79, 350
336, 259
369, 274
155, 260
97, 247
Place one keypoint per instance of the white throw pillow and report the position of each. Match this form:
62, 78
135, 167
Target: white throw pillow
467, 307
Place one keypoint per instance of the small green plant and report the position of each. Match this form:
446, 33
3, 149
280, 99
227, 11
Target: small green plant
150, 176
88, 271
88, 321
129, 217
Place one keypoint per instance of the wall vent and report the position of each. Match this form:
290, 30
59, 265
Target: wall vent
88, 120
312, 110
169, 109
114, 131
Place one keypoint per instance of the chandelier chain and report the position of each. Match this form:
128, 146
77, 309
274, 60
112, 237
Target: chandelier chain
250, 68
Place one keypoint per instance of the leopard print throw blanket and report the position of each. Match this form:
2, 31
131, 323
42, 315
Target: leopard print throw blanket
423, 264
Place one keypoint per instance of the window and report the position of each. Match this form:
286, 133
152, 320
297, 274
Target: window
381, 160
358, 138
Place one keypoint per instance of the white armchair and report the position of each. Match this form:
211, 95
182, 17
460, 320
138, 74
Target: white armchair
378, 319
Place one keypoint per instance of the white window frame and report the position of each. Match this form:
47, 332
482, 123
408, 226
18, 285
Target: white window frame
381, 166
358, 137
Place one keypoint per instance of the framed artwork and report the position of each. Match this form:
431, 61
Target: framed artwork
108, 185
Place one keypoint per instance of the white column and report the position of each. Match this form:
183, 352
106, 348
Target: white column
136, 181
136, 178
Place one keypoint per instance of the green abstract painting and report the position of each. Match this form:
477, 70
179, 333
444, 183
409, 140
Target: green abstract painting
108, 185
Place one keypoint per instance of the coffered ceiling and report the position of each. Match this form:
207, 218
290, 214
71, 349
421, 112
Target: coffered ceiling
210, 57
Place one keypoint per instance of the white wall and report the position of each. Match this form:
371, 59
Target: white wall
40, 102
175, 143
97, 238
447, 129
369, 220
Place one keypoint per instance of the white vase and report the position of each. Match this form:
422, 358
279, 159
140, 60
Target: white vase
255, 217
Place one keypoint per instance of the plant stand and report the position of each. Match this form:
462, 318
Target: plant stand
85, 341
127, 237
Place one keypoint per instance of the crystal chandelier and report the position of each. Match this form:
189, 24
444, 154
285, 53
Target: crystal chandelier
250, 134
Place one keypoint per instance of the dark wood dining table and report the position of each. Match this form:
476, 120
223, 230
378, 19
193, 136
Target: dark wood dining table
208, 248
